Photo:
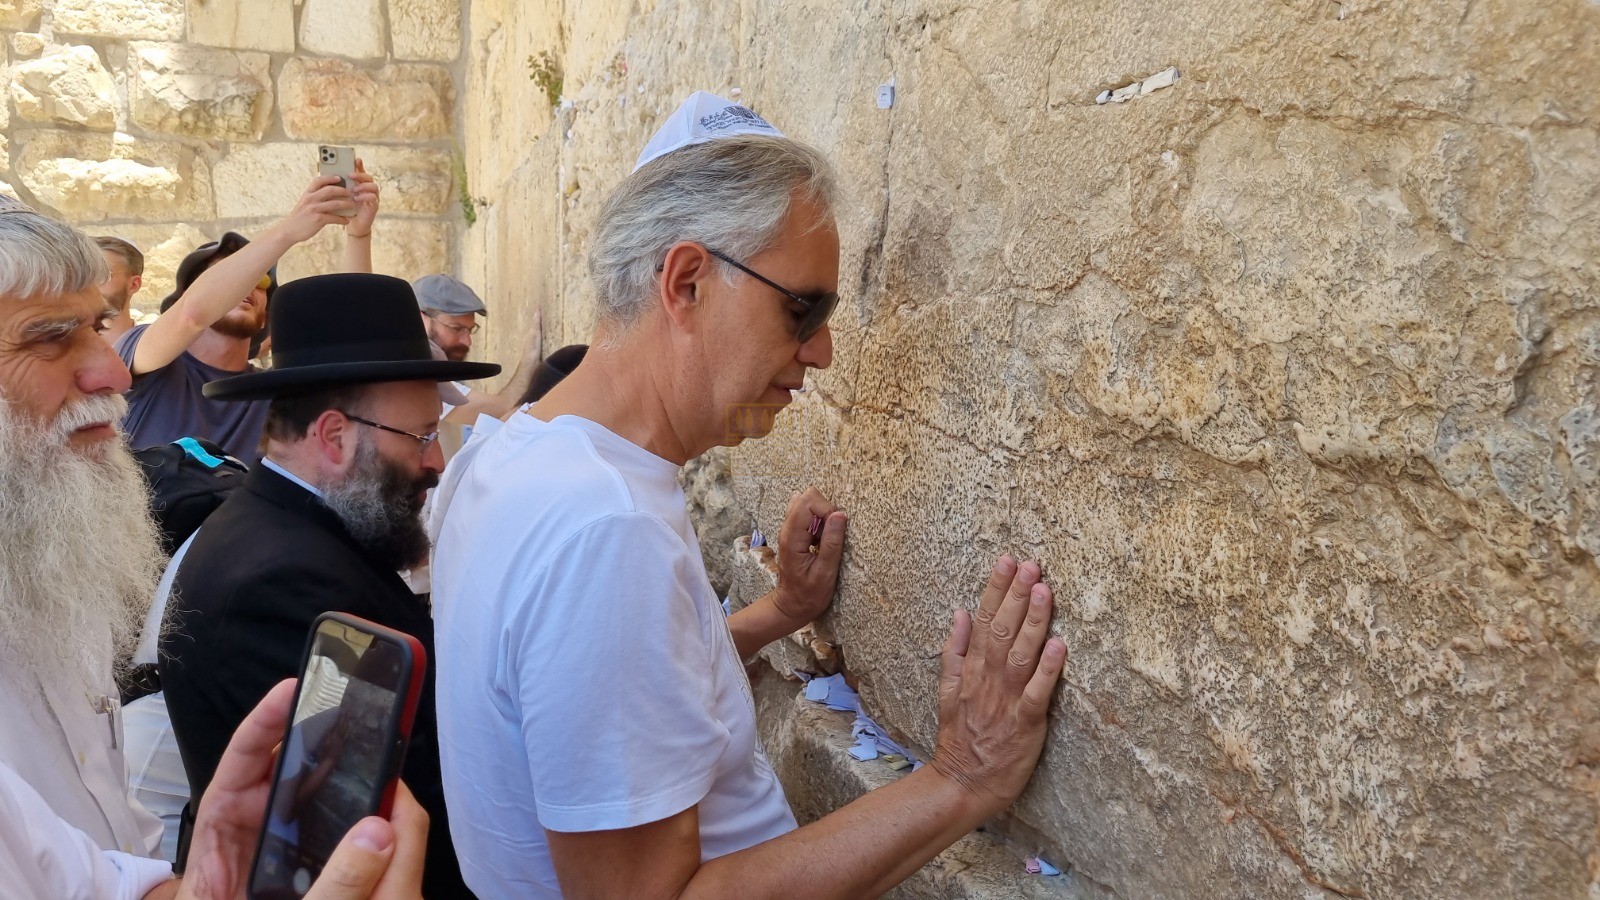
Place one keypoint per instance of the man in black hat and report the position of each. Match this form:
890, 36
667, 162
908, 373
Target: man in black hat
208, 323
322, 524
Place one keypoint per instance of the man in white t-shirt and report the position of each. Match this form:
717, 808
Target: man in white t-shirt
598, 734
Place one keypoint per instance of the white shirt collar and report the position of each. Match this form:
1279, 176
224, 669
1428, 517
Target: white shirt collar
269, 463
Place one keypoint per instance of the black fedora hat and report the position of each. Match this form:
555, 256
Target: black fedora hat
345, 329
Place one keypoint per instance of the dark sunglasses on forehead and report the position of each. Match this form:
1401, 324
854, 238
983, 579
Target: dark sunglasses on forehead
818, 306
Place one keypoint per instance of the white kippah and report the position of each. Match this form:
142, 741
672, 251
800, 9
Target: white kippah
703, 117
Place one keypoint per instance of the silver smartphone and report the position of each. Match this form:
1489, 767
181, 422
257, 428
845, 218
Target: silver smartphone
340, 161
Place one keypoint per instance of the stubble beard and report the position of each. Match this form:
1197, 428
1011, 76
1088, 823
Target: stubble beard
81, 556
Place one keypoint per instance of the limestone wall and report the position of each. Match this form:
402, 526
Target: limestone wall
1287, 372
170, 121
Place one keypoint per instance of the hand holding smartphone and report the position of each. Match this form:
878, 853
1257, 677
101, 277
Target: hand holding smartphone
340, 759
340, 161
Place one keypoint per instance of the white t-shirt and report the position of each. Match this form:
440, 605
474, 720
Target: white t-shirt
586, 676
43, 856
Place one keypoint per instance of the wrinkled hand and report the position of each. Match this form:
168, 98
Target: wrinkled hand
317, 208
228, 825
999, 672
807, 577
366, 196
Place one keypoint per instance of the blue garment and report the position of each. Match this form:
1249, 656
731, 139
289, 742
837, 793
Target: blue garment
166, 404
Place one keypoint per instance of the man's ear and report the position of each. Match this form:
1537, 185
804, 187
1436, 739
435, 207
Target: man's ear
134, 284
684, 273
334, 437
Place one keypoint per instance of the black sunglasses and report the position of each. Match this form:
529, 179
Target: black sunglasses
818, 306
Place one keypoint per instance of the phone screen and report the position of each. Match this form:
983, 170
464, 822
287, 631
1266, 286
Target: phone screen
337, 759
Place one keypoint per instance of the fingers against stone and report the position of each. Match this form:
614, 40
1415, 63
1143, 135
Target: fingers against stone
953, 657
1036, 696
1005, 569
1024, 656
1008, 620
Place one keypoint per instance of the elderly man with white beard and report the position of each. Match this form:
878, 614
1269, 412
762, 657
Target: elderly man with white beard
71, 604
71, 601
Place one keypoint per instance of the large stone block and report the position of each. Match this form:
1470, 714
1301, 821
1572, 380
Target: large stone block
425, 29
95, 177
404, 248
335, 101
66, 88
1286, 373
164, 247
19, 15
156, 20
266, 25
195, 92
267, 179
351, 28
418, 181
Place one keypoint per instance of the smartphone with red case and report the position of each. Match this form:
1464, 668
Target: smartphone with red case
341, 755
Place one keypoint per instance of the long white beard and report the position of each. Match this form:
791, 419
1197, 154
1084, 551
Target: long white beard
79, 554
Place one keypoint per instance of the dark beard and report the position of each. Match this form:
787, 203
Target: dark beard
380, 507
232, 326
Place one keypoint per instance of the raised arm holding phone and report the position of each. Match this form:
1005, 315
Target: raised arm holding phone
208, 325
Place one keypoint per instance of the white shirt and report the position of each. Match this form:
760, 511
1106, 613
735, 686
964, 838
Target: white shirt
43, 856
586, 676
70, 753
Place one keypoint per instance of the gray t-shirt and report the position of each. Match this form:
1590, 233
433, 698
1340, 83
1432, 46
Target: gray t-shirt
166, 405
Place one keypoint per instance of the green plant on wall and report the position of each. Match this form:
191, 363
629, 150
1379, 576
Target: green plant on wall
469, 203
546, 73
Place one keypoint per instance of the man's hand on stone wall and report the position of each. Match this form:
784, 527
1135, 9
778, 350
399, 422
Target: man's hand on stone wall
999, 671
807, 575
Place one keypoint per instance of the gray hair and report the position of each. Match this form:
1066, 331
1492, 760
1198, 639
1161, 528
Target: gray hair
41, 257
731, 194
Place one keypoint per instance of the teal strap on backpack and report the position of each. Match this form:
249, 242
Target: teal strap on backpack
197, 452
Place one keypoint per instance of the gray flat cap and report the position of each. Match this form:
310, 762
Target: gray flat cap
441, 293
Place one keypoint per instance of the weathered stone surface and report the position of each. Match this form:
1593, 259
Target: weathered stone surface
264, 179
415, 181
266, 25
333, 100
164, 247
195, 92
95, 177
19, 14
159, 20
70, 87
404, 248
26, 45
425, 29
267, 179
342, 28
1286, 373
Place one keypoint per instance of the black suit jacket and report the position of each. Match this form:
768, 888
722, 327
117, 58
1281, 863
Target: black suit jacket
268, 562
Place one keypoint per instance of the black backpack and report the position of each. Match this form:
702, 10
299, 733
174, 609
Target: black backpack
189, 478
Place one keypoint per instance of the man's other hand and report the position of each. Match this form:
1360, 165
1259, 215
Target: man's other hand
808, 576
999, 671
366, 196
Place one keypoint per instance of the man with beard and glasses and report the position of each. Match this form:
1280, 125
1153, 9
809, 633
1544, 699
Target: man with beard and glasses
450, 311
322, 524
207, 325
